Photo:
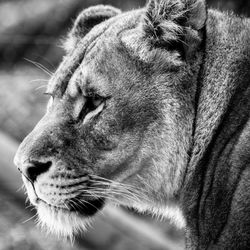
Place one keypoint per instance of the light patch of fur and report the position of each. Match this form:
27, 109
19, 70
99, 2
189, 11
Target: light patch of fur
59, 222
50, 103
68, 43
160, 212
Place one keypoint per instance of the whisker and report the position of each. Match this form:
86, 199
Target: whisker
66, 205
101, 195
39, 80
129, 188
40, 87
32, 217
121, 187
73, 204
117, 192
111, 181
51, 64
143, 181
122, 192
86, 202
117, 183
27, 199
40, 66
21, 188
29, 206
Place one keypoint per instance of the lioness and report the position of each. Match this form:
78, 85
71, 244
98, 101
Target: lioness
149, 109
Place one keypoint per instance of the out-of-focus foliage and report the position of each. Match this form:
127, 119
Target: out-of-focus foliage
31, 30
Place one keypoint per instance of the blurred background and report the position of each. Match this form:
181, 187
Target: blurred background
30, 38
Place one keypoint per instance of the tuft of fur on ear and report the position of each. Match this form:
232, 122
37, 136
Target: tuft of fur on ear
86, 20
175, 23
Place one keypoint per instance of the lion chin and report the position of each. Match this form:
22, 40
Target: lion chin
61, 222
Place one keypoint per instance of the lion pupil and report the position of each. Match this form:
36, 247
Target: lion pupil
91, 104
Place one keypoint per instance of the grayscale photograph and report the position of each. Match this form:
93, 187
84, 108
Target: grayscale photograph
125, 125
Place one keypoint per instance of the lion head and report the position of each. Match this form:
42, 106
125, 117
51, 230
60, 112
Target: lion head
118, 126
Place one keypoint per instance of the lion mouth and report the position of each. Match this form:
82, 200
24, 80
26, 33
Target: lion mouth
80, 207
86, 208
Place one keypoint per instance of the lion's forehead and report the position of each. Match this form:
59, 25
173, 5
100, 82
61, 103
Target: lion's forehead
88, 46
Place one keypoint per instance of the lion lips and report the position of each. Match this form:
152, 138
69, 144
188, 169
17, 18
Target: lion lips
78, 204
86, 208
75, 205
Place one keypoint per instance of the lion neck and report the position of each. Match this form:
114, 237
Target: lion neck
221, 125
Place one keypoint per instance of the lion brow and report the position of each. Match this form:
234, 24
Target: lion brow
60, 80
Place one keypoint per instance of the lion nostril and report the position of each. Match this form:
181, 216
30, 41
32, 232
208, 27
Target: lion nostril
35, 168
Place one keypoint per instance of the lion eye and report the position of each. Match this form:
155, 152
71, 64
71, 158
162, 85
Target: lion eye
93, 105
96, 101
92, 102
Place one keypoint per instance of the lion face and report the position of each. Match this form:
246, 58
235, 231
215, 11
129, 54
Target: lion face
117, 128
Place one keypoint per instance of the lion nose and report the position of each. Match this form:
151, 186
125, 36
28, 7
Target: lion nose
33, 169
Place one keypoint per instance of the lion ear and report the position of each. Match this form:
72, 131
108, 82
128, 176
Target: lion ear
175, 23
86, 20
